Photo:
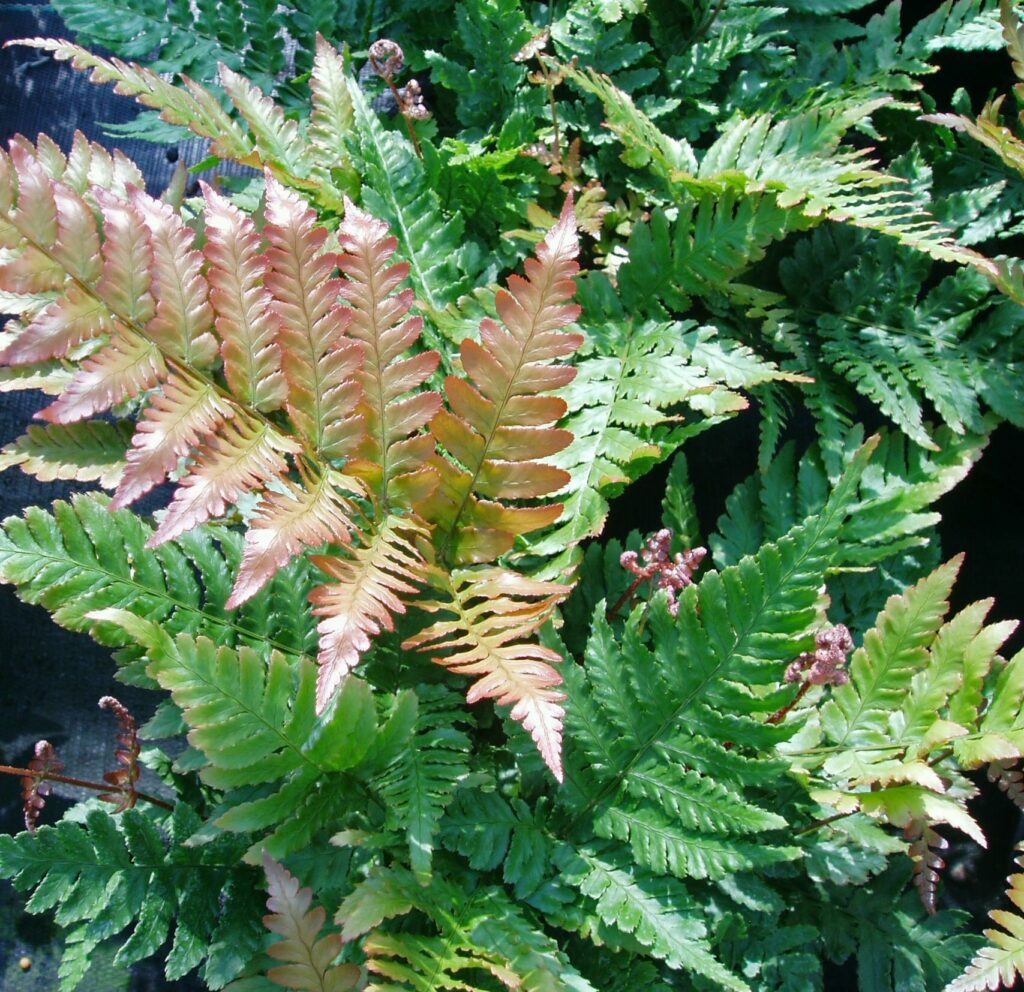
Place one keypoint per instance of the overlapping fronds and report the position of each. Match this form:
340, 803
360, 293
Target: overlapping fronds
105, 875
482, 932
642, 388
654, 773
658, 911
367, 589
800, 161
82, 557
911, 701
418, 786
893, 512
306, 954
393, 453
953, 346
498, 425
255, 722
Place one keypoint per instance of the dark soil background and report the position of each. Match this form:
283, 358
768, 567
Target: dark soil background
54, 678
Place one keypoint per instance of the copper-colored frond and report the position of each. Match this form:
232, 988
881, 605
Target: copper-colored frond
305, 516
241, 457
369, 588
321, 364
492, 453
394, 412
497, 613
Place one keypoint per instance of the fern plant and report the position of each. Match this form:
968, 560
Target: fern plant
459, 737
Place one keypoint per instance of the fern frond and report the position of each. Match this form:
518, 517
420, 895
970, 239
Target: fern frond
125, 367
241, 457
135, 29
497, 612
925, 843
497, 426
893, 511
181, 325
106, 874
254, 720
483, 931
632, 382
1001, 961
192, 107
392, 457
418, 786
308, 955
84, 452
659, 912
62, 326
320, 365
367, 590
252, 356
911, 701
396, 189
331, 119
84, 557
653, 772
287, 522
1001, 730
172, 424
277, 138
881, 670
491, 832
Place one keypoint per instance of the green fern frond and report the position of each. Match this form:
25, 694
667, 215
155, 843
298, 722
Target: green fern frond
84, 557
659, 912
106, 874
420, 783
83, 452
482, 932
491, 832
892, 513
641, 389
693, 686
255, 722
952, 347
396, 189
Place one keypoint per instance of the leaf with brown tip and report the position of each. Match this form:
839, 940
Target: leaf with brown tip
497, 613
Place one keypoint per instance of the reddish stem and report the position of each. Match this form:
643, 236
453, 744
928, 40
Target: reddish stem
625, 598
81, 783
780, 715
401, 103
